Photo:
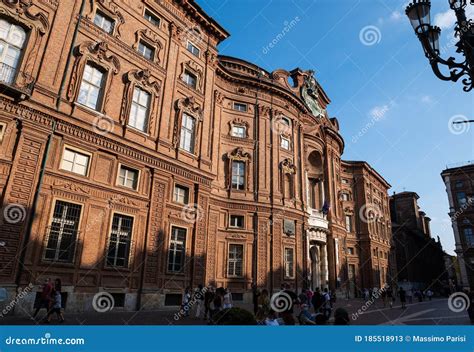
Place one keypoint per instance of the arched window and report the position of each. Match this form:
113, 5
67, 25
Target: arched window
12, 41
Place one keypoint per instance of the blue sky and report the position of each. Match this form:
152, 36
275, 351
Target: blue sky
394, 113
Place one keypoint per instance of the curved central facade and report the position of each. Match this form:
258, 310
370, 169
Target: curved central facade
167, 165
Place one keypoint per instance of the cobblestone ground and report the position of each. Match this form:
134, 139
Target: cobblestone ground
435, 312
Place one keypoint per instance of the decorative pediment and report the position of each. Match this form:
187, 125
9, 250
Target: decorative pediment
110, 9
152, 39
99, 52
194, 68
143, 78
72, 187
189, 106
238, 154
288, 167
122, 200
20, 9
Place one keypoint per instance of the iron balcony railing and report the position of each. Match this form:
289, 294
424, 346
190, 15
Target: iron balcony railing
15, 82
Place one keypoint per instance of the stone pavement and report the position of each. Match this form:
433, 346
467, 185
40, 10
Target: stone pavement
434, 312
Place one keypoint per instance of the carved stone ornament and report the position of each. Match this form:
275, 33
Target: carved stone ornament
288, 167
238, 154
309, 93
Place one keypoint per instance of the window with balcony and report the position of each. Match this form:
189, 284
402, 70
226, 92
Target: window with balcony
145, 50
139, 110
238, 175
190, 79
74, 161
12, 42
120, 239
235, 260
128, 177
236, 221
104, 22
63, 232
188, 127
177, 250
92, 85
289, 263
181, 194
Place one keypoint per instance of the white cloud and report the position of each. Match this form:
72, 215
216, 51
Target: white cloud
426, 99
445, 20
396, 16
379, 112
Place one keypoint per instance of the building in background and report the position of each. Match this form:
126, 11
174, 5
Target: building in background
420, 258
460, 189
135, 160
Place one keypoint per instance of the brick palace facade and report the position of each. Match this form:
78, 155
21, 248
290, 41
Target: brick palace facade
136, 160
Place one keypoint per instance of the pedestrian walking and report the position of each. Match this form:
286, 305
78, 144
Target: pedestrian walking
199, 297
56, 303
410, 295
45, 298
227, 301
317, 301
287, 315
185, 301
402, 295
429, 294
255, 295
263, 305
208, 298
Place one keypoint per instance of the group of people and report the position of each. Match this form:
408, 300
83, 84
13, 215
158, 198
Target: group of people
208, 300
51, 300
315, 308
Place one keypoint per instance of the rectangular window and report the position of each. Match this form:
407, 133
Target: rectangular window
3, 128
235, 260
128, 177
181, 194
186, 141
345, 181
91, 88
240, 107
349, 223
285, 143
236, 221
177, 250
238, 175
140, 109
238, 131
118, 250
289, 262
74, 161
190, 79
193, 49
146, 51
459, 184
469, 237
462, 200
105, 22
345, 196
152, 18
350, 250
62, 233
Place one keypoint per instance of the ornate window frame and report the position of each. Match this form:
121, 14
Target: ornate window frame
96, 53
195, 69
190, 107
151, 39
287, 168
143, 80
36, 26
110, 9
237, 122
238, 154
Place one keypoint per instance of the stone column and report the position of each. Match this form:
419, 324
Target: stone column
324, 265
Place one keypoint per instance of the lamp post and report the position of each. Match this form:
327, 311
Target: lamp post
418, 12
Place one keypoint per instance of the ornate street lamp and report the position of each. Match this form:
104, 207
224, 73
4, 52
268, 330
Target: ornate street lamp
418, 13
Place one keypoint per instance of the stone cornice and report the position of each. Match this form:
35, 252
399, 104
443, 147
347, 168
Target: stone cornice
30, 114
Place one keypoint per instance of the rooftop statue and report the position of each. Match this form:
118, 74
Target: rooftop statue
309, 92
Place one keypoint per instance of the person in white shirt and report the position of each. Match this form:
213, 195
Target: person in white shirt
227, 299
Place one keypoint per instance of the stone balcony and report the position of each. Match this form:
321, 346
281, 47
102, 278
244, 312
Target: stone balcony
317, 219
